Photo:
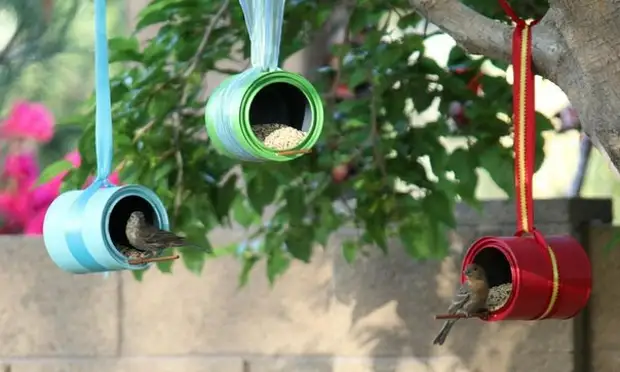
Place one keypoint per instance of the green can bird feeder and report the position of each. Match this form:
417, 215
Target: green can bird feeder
264, 113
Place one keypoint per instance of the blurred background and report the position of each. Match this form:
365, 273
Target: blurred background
49, 59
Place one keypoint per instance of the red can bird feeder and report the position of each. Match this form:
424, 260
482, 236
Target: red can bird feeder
546, 278
552, 282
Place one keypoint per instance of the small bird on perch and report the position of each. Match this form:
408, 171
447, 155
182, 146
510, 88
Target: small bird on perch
470, 299
147, 238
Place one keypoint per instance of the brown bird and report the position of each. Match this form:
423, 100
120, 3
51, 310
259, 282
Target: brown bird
469, 299
147, 238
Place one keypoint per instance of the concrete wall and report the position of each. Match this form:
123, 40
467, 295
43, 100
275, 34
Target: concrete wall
326, 316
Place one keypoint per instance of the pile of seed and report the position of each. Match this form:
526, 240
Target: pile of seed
134, 254
498, 296
278, 136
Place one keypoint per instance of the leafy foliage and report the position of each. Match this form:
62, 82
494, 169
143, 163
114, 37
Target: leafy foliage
375, 167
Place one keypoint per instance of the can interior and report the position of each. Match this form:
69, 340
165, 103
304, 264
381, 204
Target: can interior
281, 103
120, 215
495, 265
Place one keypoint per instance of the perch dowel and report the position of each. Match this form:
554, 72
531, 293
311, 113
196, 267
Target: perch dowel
294, 152
140, 261
459, 316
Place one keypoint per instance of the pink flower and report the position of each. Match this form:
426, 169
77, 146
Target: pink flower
28, 120
74, 158
21, 168
43, 195
15, 209
34, 226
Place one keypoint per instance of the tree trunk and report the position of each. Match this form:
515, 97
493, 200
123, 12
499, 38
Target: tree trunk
576, 45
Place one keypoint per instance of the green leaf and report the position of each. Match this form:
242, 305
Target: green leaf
261, 190
138, 274
123, 49
166, 266
440, 206
349, 251
295, 204
156, 12
299, 242
243, 212
53, 170
277, 264
358, 77
248, 265
416, 239
376, 234
498, 162
193, 259
163, 170
130, 174
409, 20
278, 259
226, 194
464, 165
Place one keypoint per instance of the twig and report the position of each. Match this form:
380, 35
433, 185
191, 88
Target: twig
585, 148
142, 130
205, 38
374, 130
460, 316
140, 261
178, 199
374, 135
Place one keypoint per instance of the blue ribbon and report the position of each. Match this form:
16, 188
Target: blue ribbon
103, 118
103, 143
264, 19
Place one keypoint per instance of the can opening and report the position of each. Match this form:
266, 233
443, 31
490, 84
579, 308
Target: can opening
499, 276
120, 215
280, 116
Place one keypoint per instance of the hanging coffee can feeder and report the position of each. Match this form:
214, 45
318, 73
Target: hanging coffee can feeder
264, 113
531, 277
84, 229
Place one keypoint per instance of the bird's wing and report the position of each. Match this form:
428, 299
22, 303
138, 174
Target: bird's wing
462, 295
163, 237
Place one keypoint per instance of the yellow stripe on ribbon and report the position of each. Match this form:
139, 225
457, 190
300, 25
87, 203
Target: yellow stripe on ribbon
522, 132
556, 283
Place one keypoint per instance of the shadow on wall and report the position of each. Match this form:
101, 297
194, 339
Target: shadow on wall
395, 298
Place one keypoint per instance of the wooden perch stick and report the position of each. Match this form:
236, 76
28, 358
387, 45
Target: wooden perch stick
140, 261
294, 152
460, 316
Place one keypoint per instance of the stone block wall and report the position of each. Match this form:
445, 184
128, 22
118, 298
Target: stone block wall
327, 316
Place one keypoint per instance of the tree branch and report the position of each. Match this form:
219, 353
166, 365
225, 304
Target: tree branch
481, 35
473, 31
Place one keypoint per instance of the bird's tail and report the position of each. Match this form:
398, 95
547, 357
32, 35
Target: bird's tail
443, 333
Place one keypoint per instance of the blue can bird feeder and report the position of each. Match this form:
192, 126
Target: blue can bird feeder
247, 108
83, 228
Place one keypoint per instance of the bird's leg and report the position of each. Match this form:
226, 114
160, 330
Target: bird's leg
483, 313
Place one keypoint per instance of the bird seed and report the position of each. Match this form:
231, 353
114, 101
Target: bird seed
134, 254
498, 296
278, 136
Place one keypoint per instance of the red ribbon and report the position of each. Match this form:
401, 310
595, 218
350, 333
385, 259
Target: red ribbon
524, 119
